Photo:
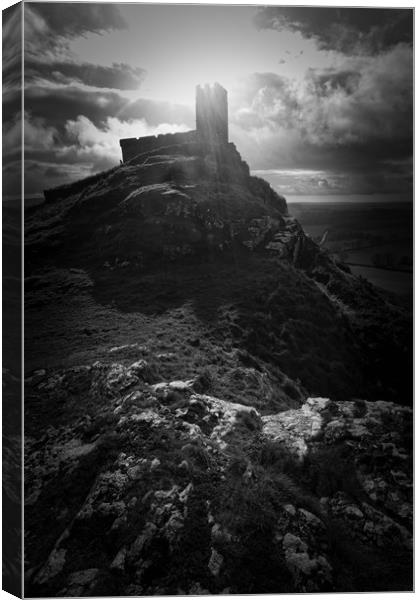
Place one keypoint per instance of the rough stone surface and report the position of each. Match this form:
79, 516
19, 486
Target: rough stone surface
159, 486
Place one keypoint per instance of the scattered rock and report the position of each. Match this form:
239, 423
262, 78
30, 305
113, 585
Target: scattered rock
80, 583
172, 462
119, 561
215, 563
53, 566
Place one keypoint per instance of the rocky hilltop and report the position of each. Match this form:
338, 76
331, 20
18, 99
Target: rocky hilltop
213, 405
169, 203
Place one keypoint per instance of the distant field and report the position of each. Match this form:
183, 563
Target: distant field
393, 281
377, 236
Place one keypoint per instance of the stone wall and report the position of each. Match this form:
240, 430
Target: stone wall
131, 147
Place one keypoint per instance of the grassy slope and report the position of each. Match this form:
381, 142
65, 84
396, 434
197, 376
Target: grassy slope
225, 314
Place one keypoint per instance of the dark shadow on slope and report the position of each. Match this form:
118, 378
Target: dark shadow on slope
248, 301
281, 317
207, 284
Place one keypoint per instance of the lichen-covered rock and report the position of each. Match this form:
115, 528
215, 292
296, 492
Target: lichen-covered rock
294, 428
215, 562
80, 583
311, 574
53, 566
164, 490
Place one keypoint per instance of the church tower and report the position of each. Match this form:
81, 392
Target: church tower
211, 113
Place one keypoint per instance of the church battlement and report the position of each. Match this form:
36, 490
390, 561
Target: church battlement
211, 109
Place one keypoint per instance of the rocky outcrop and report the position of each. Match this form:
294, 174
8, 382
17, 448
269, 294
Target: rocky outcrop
181, 203
174, 201
155, 488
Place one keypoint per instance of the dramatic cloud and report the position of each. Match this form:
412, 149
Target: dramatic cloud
12, 99
12, 48
264, 100
59, 104
367, 101
12, 66
91, 143
80, 144
12, 157
328, 110
12, 138
357, 119
68, 20
347, 30
49, 25
118, 76
77, 110
82, 127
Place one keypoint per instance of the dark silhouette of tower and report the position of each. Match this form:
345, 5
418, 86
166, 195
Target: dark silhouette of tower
211, 113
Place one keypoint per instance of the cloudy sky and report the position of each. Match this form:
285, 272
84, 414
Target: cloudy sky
320, 99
